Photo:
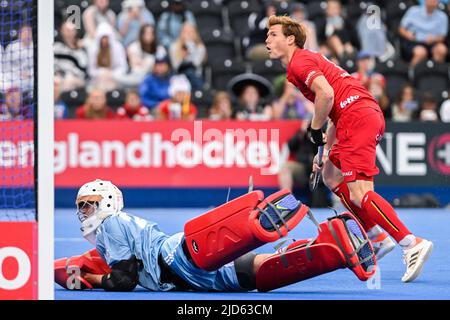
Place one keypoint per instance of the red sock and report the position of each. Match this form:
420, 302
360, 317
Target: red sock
363, 217
384, 215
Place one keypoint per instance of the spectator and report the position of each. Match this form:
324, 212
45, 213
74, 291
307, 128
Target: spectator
428, 108
365, 72
423, 31
61, 111
133, 108
404, 107
258, 32
18, 61
372, 36
133, 16
298, 167
14, 107
155, 87
338, 36
445, 111
292, 104
96, 14
300, 14
377, 87
141, 55
251, 107
179, 106
222, 107
326, 51
188, 53
107, 59
170, 22
95, 106
71, 60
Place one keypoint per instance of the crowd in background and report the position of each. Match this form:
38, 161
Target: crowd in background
159, 62
156, 64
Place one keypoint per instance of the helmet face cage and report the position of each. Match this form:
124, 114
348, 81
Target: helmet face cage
86, 209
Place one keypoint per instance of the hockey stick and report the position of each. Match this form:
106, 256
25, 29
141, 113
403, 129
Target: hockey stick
314, 178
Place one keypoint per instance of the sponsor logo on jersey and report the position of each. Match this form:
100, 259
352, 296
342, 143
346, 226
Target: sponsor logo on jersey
378, 137
347, 174
348, 101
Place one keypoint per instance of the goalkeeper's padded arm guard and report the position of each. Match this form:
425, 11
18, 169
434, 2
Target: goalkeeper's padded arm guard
68, 271
241, 225
123, 277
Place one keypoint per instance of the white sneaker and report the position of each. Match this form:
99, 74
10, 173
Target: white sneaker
415, 258
382, 245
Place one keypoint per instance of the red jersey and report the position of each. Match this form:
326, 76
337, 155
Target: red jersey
306, 65
140, 113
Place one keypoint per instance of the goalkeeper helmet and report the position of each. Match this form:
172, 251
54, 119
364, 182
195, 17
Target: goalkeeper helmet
97, 200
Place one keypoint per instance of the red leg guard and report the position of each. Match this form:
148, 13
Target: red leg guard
298, 264
241, 225
341, 243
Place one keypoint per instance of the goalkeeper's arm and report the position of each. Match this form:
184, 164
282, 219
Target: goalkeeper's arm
123, 277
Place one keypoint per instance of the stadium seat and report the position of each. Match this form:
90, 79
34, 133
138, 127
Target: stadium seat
349, 64
354, 10
115, 98
208, 14
115, 6
74, 98
396, 74
224, 70
268, 69
316, 13
432, 77
219, 44
157, 7
62, 5
202, 99
316, 9
11, 21
395, 10
283, 7
239, 12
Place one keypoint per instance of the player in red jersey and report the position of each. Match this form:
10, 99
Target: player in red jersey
355, 128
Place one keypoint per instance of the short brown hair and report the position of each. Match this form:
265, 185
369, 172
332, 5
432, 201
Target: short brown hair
290, 27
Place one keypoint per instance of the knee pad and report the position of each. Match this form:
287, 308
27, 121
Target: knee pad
244, 271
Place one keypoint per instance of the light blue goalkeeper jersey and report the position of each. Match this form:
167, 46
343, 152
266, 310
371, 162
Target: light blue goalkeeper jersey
122, 235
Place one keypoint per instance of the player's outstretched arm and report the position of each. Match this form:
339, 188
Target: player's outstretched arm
323, 102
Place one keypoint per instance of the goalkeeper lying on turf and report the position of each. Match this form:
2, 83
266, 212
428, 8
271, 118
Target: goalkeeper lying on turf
214, 251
